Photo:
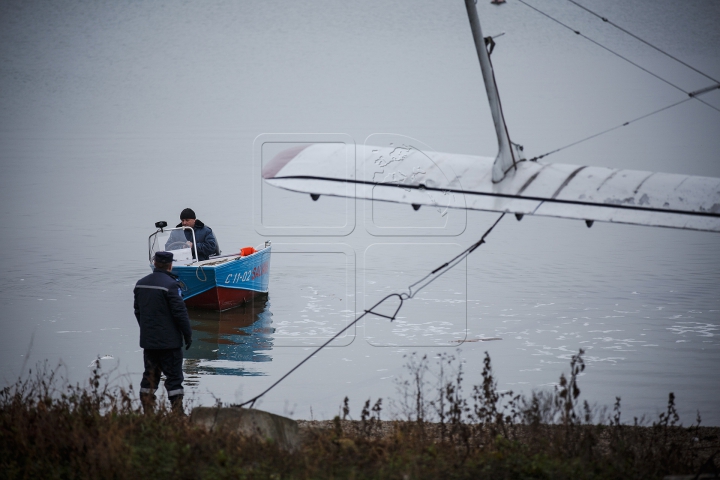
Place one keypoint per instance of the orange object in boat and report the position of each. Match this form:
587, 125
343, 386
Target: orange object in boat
244, 252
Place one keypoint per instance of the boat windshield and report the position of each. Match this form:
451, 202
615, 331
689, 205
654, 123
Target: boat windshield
175, 240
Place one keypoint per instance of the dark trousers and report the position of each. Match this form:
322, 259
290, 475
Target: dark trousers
167, 361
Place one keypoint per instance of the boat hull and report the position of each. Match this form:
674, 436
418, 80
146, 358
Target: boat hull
221, 298
220, 284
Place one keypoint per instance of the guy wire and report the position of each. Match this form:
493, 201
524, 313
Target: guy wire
608, 130
435, 274
577, 32
604, 19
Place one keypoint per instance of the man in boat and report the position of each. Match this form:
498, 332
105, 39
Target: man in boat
164, 325
204, 237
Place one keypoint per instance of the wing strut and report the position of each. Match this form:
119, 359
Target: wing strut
508, 153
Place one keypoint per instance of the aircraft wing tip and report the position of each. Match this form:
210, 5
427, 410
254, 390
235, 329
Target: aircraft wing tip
271, 169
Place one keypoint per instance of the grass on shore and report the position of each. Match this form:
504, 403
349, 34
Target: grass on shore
53, 430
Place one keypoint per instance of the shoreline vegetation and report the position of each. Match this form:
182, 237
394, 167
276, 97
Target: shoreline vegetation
438, 429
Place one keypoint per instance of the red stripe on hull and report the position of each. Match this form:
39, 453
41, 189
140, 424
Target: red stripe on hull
219, 298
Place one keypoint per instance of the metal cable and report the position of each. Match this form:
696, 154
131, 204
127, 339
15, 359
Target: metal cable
577, 32
450, 264
432, 276
608, 130
604, 19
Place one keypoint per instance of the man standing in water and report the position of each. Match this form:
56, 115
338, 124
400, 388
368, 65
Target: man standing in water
205, 240
164, 324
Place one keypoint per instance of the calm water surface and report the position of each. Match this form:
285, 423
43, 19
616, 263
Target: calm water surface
119, 115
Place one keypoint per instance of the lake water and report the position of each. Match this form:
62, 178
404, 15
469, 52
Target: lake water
117, 115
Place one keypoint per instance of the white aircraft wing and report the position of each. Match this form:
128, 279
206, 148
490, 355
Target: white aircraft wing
404, 174
506, 183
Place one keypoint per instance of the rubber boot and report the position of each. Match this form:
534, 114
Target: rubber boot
148, 402
176, 402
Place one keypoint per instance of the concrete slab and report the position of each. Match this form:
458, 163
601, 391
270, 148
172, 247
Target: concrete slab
251, 423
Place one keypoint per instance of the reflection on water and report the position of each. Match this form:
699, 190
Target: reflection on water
221, 339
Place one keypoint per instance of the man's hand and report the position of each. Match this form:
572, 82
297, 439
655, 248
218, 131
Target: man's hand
189, 244
187, 346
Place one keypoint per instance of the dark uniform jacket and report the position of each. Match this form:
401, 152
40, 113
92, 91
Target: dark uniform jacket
204, 237
161, 312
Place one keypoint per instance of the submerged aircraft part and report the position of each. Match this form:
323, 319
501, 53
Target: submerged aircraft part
506, 183
533, 188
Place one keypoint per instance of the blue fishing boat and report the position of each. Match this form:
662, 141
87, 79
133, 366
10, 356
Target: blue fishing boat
222, 281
